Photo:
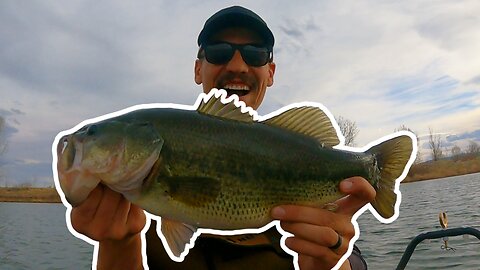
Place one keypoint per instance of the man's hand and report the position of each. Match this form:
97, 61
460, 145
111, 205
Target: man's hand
107, 217
316, 230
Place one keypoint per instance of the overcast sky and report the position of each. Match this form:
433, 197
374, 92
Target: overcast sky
382, 64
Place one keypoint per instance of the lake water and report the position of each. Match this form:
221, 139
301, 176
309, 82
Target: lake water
383, 244
34, 236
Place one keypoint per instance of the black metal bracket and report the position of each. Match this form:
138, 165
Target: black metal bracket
434, 235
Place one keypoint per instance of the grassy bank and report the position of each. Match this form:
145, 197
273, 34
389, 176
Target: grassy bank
29, 194
443, 168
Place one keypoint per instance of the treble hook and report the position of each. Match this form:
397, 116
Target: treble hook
446, 247
442, 217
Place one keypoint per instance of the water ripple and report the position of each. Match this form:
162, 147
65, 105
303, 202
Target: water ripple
34, 236
383, 244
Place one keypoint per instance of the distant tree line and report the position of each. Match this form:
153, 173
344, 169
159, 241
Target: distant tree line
438, 150
436, 145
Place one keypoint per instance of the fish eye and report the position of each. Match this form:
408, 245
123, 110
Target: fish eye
91, 130
145, 124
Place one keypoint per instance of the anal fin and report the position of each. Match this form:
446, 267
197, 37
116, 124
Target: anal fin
177, 235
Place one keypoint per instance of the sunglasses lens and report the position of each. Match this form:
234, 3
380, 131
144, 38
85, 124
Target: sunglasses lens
255, 56
219, 53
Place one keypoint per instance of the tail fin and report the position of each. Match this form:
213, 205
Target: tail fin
392, 157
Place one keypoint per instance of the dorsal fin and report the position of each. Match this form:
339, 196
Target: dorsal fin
220, 106
308, 120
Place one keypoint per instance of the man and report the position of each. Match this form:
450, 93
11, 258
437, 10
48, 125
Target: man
236, 54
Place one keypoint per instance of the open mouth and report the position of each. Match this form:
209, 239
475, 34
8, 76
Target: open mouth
237, 89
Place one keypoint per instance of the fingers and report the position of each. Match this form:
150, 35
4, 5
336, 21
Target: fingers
359, 191
136, 219
108, 205
86, 211
315, 232
122, 210
107, 215
311, 256
307, 248
314, 216
309, 262
320, 235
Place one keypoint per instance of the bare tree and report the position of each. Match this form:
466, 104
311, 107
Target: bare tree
349, 130
473, 148
403, 127
435, 143
456, 151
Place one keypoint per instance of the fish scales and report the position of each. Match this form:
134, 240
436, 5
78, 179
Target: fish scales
257, 167
217, 167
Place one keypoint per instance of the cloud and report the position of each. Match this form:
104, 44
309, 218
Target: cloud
474, 136
380, 64
6, 129
29, 162
16, 111
475, 80
4, 112
9, 131
26, 172
299, 28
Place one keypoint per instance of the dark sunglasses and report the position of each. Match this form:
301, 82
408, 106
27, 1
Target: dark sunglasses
222, 53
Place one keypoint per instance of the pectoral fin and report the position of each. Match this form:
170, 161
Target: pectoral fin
177, 234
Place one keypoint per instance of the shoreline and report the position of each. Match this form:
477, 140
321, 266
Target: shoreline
29, 195
50, 195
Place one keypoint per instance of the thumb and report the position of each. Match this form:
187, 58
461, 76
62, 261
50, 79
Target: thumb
359, 192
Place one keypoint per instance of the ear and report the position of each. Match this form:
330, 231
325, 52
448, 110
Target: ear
197, 71
271, 73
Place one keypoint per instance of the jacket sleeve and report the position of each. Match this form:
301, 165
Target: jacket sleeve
356, 260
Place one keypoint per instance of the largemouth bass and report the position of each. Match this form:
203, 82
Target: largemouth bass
219, 167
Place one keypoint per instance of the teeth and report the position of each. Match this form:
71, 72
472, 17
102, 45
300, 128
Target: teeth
241, 87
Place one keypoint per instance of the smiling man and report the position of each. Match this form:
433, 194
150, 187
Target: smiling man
236, 59
236, 54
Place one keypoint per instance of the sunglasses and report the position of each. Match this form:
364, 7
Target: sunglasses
222, 53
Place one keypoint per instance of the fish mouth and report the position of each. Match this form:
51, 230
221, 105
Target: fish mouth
67, 152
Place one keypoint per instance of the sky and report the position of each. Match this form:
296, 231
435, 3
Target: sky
381, 64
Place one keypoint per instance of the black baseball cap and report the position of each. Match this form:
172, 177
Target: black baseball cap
236, 16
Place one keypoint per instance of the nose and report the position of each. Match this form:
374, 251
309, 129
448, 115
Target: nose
236, 64
62, 145
66, 152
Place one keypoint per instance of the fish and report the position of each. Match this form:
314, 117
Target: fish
219, 166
